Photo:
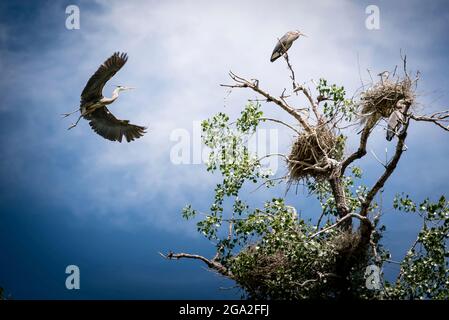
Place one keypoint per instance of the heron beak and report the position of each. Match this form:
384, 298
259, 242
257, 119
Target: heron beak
129, 88
302, 34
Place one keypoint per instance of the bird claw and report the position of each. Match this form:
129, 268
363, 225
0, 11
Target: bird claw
71, 127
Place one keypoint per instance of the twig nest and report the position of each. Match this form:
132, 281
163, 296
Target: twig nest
312, 151
381, 99
346, 243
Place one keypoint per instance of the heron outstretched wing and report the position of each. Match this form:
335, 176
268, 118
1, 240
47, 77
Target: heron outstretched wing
94, 87
103, 122
280, 45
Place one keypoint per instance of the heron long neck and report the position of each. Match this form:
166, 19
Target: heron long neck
115, 94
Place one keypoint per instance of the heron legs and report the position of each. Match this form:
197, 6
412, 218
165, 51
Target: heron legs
65, 115
74, 125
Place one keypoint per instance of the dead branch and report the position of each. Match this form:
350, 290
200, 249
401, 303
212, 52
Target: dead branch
308, 95
212, 264
254, 85
292, 77
281, 122
440, 118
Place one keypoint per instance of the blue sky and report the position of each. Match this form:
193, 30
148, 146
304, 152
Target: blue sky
71, 197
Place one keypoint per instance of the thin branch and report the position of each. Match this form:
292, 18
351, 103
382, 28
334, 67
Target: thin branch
309, 165
281, 122
378, 160
308, 95
340, 221
361, 151
292, 77
360, 74
412, 248
269, 181
320, 218
212, 264
243, 83
437, 118
231, 229
320, 277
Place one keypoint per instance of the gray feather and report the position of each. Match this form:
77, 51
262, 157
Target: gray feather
395, 120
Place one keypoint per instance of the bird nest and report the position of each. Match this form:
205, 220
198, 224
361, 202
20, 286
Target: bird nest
381, 99
311, 151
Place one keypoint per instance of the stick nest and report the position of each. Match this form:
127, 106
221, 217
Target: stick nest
381, 99
310, 153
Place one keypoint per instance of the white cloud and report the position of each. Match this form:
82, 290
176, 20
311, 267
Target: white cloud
179, 52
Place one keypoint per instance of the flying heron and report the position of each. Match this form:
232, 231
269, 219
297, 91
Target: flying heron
93, 104
396, 119
285, 43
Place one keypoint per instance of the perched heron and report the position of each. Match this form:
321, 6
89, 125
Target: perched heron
285, 43
93, 104
396, 119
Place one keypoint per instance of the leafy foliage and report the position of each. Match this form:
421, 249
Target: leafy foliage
284, 263
354, 194
424, 271
271, 252
335, 101
230, 156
